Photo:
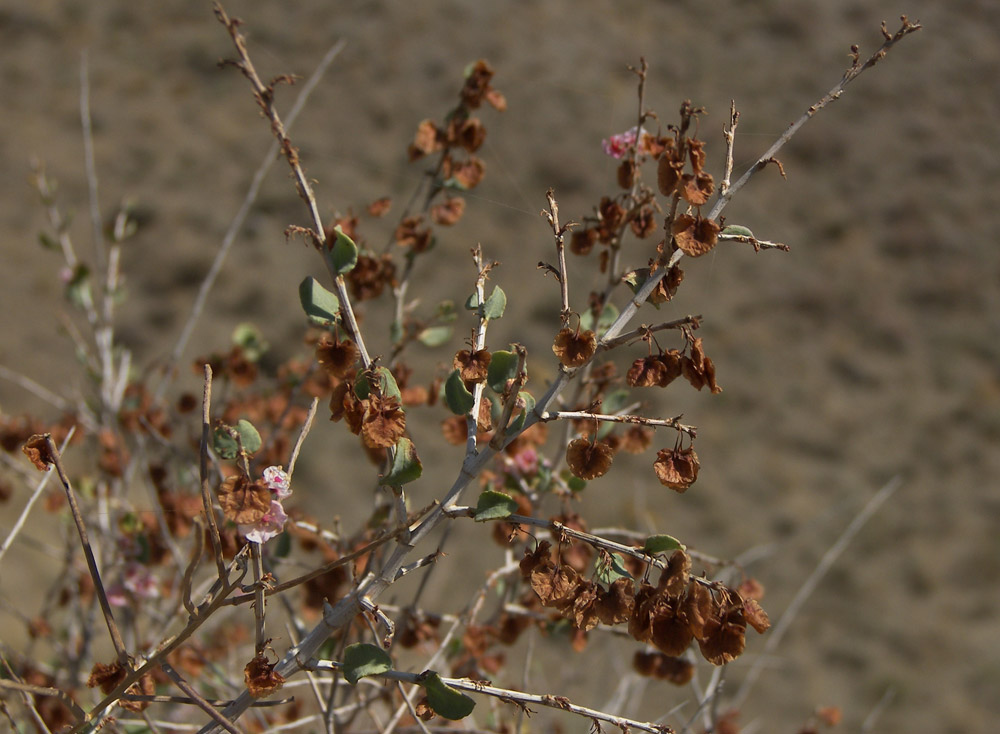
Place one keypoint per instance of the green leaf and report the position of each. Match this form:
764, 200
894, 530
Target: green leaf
609, 569
472, 302
608, 315
459, 399
494, 506
249, 436
406, 466
661, 543
395, 332
251, 340
529, 405
363, 659
321, 306
495, 304
224, 443
344, 253
444, 700
737, 231
576, 484
612, 403
635, 281
435, 336
503, 367
386, 382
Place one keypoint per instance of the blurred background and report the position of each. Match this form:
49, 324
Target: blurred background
870, 351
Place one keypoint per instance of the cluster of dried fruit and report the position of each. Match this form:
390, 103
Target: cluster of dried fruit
679, 610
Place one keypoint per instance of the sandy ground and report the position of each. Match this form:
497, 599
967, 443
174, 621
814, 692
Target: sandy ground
868, 352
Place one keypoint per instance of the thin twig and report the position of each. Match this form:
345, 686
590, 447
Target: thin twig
89, 164
310, 417
850, 75
636, 420
777, 632
521, 699
265, 99
559, 233
236, 225
39, 488
730, 135
199, 700
88, 552
206, 489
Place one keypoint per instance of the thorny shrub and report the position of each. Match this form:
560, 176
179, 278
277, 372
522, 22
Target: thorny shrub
221, 535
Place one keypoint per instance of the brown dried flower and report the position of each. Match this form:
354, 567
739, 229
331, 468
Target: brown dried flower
384, 422
244, 502
724, 637
337, 357
588, 460
380, 207
473, 366
695, 236
449, 211
574, 348
428, 139
698, 188
676, 469
260, 677
663, 667
36, 448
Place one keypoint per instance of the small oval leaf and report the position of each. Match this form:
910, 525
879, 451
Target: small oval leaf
608, 315
459, 399
610, 568
494, 506
344, 253
503, 367
224, 444
661, 544
472, 302
406, 466
363, 659
529, 405
495, 304
435, 336
736, 230
249, 436
321, 306
445, 701
386, 382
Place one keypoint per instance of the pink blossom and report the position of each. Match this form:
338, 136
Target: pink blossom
617, 145
268, 526
137, 583
277, 481
526, 462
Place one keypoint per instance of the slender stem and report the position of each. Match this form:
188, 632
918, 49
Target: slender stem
88, 552
39, 488
206, 489
199, 700
208, 282
777, 632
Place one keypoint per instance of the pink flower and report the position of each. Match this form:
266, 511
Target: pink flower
137, 583
617, 145
268, 526
277, 481
526, 462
